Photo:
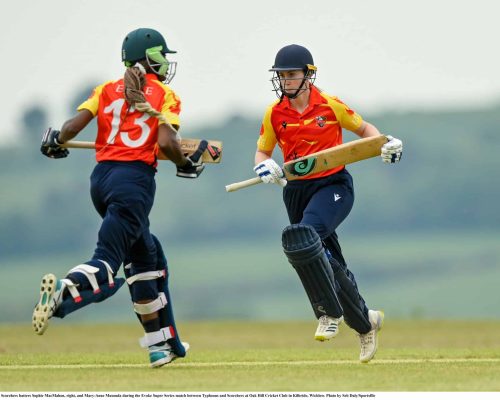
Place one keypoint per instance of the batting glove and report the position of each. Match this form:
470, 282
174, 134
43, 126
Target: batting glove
51, 146
191, 169
270, 172
392, 150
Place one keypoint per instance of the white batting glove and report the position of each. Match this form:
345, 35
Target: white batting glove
270, 172
392, 150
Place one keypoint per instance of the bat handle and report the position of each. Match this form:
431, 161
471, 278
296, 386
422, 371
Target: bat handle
243, 184
75, 144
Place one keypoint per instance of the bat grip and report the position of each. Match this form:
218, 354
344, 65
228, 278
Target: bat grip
243, 184
195, 157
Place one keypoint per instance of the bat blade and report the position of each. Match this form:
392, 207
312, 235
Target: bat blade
212, 154
343, 154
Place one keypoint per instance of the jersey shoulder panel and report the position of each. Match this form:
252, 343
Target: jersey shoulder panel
170, 105
347, 117
92, 103
267, 138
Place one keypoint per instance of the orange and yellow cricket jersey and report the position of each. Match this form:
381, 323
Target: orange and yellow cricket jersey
319, 127
130, 135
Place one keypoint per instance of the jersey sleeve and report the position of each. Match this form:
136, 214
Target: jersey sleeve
92, 103
171, 107
347, 118
267, 139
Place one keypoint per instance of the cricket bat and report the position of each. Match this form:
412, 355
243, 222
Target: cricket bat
346, 153
213, 153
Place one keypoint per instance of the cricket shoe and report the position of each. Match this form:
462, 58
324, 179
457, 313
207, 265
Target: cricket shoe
328, 327
51, 296
159, 355
369, 341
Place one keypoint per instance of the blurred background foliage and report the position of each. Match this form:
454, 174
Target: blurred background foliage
422, 238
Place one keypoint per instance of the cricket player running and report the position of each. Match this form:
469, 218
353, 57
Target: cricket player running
136, 116
303, 121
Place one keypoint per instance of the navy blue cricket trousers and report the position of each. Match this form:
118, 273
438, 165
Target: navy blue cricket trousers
123, 195
323, 203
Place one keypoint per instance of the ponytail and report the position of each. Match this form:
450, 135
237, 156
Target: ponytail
134, 80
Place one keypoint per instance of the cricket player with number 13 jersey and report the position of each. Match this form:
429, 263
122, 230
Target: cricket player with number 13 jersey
137, 116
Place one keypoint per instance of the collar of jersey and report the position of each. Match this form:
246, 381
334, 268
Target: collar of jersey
315, 98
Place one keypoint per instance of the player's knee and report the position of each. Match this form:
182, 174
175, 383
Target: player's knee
144, 290
301, 242
144, 284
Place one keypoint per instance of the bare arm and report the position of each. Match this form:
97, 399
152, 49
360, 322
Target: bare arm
391, 151
261, 156
73, 126
170, 146
367, 130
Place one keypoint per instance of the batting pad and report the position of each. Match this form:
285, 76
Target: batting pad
87, 297
304, 250
355, 310
166, 312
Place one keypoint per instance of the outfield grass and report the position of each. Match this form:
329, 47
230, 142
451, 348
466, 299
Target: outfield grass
253, 356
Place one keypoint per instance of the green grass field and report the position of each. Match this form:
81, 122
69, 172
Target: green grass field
253, 356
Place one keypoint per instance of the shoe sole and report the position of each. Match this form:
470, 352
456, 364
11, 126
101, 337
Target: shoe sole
379, 328
42, 309
163, 361
324, 337
168, 360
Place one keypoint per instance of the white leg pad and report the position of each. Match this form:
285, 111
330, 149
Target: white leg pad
152, 306
152, 338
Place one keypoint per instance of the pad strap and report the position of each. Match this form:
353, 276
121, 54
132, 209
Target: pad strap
152, 338
73, 291
111, 282
146, 276
152, 306
89, 273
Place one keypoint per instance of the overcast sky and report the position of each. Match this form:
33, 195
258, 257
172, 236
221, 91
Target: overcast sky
375, 55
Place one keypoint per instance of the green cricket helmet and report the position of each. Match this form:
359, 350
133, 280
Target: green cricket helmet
148, 44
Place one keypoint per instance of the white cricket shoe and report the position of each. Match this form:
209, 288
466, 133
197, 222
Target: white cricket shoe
161, 355
328, 327
369, 341
51, 291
